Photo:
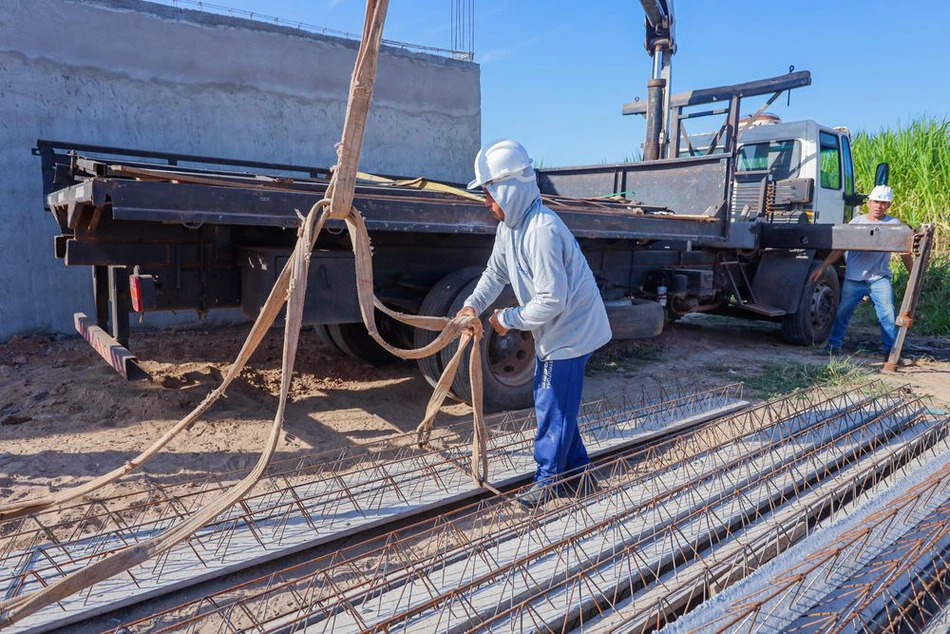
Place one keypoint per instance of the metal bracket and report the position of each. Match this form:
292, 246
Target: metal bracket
115, 354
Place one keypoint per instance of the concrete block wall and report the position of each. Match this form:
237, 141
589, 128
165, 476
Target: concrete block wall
134, 74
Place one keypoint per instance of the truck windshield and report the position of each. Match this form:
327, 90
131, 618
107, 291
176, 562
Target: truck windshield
779, 157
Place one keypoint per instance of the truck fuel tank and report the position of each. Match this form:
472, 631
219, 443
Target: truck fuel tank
634, 318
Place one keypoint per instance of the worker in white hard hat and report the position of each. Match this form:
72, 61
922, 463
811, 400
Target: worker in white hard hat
560, 304
867, 274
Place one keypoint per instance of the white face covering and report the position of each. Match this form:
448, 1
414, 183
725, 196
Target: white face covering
515, 195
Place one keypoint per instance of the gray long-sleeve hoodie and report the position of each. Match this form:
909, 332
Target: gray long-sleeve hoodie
536, 253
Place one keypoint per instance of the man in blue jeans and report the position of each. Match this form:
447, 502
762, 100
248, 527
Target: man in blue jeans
558, 300
867, 274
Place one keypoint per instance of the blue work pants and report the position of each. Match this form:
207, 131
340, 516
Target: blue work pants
882, 296
558, 447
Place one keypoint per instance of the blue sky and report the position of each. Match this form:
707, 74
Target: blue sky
556, 73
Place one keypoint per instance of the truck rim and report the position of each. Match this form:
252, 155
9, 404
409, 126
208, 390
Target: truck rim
511, 357
822, 306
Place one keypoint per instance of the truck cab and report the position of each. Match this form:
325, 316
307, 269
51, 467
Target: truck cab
803, 171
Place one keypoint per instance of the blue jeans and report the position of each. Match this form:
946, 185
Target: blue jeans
558, 447
882, 296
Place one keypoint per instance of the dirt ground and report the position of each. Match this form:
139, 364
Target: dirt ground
65, 416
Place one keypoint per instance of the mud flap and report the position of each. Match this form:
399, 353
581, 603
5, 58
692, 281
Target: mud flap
780, 278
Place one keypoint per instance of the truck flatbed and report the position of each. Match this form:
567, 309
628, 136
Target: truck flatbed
130, 192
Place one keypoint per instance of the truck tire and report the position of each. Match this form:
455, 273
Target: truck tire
437, 302
354, 341
508, 361
813, 321
323, 334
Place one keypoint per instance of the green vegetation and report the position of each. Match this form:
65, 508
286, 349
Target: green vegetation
777, 379
933, 314
919, 156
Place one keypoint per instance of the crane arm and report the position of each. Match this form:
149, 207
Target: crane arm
659, 26
660, 44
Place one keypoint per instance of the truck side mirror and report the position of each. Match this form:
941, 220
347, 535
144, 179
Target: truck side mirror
881, 174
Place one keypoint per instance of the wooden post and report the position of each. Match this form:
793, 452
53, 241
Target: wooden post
923, 241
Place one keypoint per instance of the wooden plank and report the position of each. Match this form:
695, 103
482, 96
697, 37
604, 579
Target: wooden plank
923, 242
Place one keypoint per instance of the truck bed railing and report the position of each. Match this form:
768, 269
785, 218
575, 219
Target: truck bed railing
725, 139
63, 156
83, 190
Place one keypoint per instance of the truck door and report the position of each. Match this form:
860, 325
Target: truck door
829, 194
848, 162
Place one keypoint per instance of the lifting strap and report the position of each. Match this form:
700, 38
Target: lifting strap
290, 288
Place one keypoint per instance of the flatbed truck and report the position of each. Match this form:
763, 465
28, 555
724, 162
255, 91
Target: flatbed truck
729, 223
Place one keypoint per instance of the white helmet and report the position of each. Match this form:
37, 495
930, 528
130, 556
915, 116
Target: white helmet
882, 193
499, 161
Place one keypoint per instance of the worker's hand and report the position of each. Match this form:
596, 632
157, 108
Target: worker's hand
467, 311
493, 320
817, 273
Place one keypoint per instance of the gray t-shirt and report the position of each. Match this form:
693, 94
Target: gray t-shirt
867, 266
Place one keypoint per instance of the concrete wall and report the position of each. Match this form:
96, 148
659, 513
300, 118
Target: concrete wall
134, 74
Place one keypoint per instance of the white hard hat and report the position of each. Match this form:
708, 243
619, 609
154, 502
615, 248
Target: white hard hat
499, 161
882, 193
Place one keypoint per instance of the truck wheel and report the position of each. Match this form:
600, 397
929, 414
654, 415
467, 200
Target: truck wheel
324, 335
817, 308
354, 341
508, 361
438, 302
